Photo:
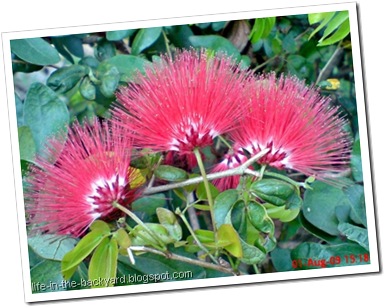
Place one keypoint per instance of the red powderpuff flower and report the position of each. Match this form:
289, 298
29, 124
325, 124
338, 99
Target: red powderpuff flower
183, 103
231, 160
299, 126
91, 173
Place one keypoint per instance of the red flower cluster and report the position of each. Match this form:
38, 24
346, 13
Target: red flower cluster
177, 106
183, 103
297, 124
92, 171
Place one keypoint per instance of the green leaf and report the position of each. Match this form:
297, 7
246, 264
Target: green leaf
149, 204
165, 216
87, 89
69, 45
202, 193
109, 76
219, 25
203, 25
355, 161
289, 43
19, 110
318, 232
128, 65
339, 35
51, 247
273, 191
261, 28
259, 218
226, 232
257, 30
122, 238
179, 35
355, 194
65, 78
323, 18
223, 204
320, 204
19, 65
169, 221
35, 51
100, 226
216, 43
89, 61
280, 257
170, 173
294, 207
103, 264
317, 17
119, 34
104, 50
45, 114
205, 236
355, 233
27, 146
251, 254
140, 236
337, 20
46, 277
85, 246
144, 39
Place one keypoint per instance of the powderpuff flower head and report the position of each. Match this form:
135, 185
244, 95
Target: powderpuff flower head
299, 126
182, 103
90, 174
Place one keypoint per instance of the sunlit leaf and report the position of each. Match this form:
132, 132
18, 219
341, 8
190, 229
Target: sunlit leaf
103, 264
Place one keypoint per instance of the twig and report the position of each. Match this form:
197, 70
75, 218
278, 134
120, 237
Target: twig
241, 170
330, 64
176, 257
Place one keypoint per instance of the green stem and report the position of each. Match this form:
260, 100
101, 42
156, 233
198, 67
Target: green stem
207, 186
256, 269
141, 223
166, 43
197, 241
284, 178
225, 142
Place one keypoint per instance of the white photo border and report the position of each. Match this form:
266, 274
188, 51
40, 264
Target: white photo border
199, 283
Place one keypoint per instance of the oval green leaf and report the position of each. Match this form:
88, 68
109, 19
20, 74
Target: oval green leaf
355, 234
45, 114
123, 239
227, 233
84, 247
144, 39
223, 204
26, 144
35, 51
128, 65
109, 77
119, 34
216, 43
273, 191
319, 207
103, 264
87, 89
170, 173
65, 78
